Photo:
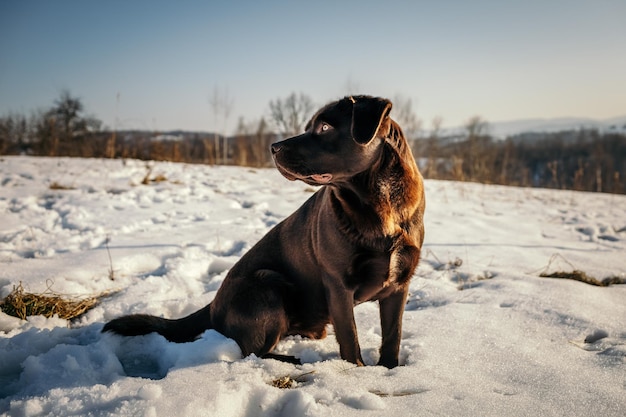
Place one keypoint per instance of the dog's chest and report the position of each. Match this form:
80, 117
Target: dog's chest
374, 275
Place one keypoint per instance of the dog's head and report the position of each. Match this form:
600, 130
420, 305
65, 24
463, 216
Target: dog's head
341, 140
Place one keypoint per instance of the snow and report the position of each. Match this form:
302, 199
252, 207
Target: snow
483, 333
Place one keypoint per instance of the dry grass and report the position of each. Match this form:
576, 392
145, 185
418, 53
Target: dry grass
402, 393
56, 186
287, 381
156, 179
22, 304
581, 276
577, 274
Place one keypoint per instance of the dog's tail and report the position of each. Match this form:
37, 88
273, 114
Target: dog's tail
182, 330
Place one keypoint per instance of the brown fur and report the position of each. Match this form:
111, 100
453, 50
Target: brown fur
357, 239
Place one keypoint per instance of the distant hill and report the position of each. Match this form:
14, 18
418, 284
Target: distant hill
498, 130
509, 128
501, 130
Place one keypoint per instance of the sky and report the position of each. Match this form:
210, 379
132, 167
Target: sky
157, 64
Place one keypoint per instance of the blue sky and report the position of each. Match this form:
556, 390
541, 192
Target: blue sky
155, 64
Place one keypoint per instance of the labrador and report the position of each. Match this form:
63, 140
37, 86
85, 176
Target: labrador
357, 239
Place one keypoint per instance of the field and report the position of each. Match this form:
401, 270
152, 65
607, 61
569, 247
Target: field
484, 333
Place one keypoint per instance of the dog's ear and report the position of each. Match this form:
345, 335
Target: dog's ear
368, 114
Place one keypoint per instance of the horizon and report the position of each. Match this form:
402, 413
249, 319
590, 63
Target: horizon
155, 65
496, 130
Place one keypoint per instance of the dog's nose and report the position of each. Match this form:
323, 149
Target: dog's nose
276, 147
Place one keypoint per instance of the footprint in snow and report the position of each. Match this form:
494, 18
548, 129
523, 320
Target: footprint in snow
601, 233
599, 341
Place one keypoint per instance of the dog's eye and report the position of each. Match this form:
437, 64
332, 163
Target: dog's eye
323, 128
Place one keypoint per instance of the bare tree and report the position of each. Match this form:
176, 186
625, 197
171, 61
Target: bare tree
67, 110
263, 139
111, 142
432, 148
15, 134
64, 128
222, 106
242, 135
291, 113
476, 126
352, 87
436, 123
252, 142
479, 159
403, 113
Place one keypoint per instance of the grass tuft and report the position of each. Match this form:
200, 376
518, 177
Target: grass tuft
156, 179
284, 382
22, 304
288, 382
581, 276
403, 393
578, 275
56, 186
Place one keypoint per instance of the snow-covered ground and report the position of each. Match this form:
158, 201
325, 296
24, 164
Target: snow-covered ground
484, 335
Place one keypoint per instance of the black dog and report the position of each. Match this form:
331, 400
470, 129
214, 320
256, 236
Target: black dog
357, 239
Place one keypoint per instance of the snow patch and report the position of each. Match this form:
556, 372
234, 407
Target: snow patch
483, 333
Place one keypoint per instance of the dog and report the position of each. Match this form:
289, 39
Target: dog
357, 239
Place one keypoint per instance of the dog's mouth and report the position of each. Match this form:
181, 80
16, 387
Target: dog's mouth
322, 178
313, 179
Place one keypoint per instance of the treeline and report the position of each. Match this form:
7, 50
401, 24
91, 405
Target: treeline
65, 130
16, 138
190, 147
62, 130
585, 160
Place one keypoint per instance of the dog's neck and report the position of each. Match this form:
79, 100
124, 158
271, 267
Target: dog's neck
387, 196
396, 186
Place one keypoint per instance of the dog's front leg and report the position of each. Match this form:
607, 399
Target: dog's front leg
391, 310
341, 305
